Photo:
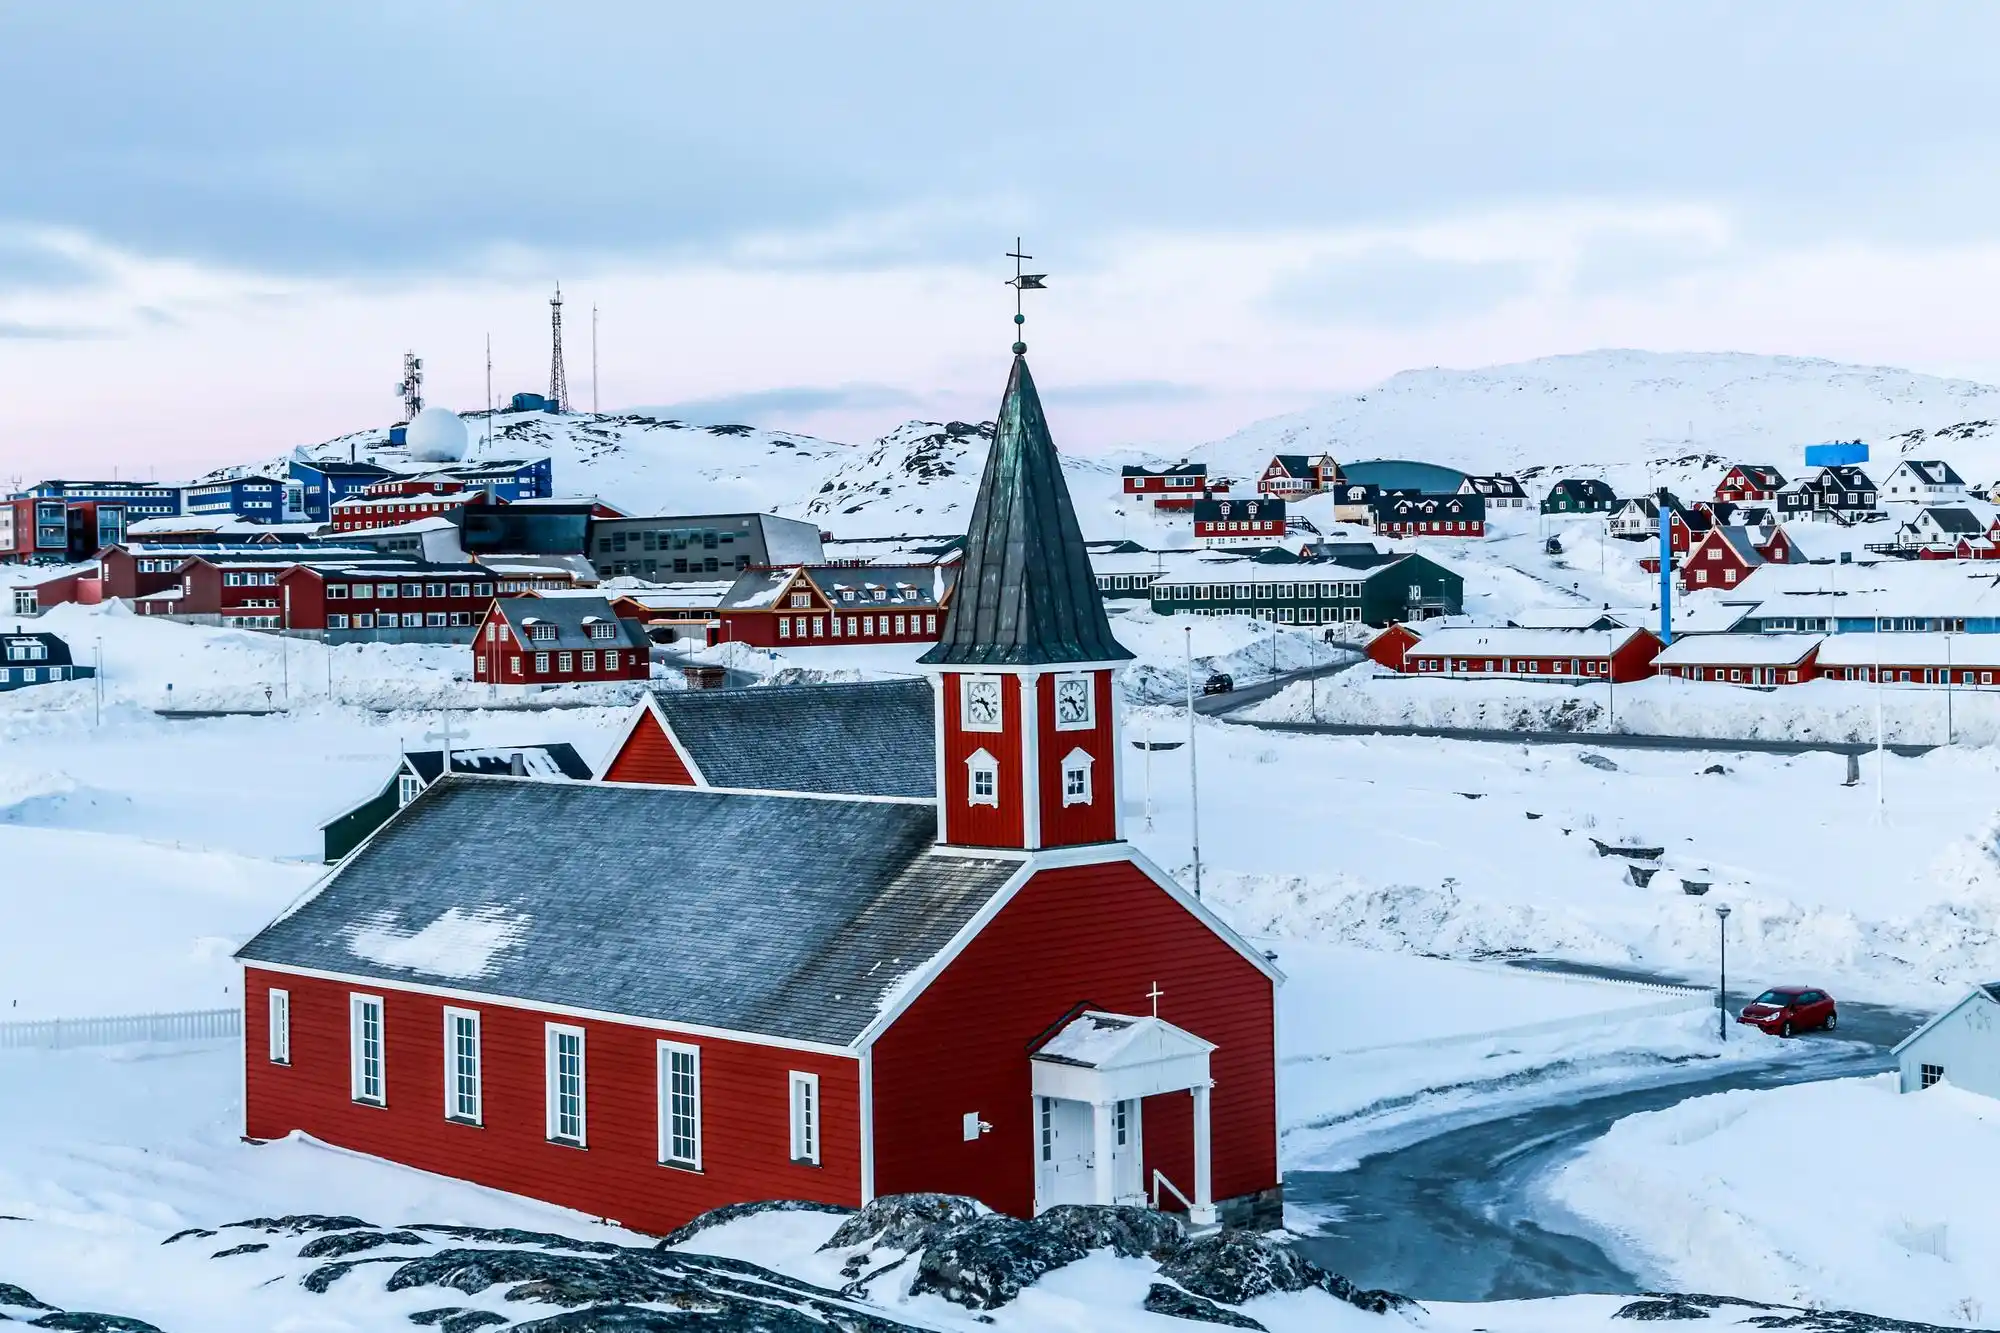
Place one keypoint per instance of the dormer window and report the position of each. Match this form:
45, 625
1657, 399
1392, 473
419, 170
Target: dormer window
1076, 777
539, 631
982, 779
603, 629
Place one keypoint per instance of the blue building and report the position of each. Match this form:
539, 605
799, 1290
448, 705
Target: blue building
142, 499
37, 659
324, 483
259, 498
510, 479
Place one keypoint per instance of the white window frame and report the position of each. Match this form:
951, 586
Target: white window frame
408, 787
552, 1039
668, 1050
279, 1037
1089, 682
966, 685
357, 1081
1077, 764
807, 1117
453, 1110
979, 763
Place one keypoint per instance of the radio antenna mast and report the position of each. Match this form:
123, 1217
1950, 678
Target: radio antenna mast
489, 393
412, 387
593, 358
558, 382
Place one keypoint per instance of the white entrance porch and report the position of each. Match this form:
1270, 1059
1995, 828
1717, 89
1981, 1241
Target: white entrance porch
1089, 1082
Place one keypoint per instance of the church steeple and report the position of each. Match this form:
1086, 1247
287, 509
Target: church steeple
1026, 667
1025, 595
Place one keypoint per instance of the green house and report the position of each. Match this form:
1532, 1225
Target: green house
1399, 588
1579, 495
418, 769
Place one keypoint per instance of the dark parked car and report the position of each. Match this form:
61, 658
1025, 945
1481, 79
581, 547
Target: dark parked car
1785, 1010
1219, 683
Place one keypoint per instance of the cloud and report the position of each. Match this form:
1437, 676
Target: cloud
1120, 393
1393, 287
26, 332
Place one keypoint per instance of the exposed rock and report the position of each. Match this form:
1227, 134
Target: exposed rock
202, 1232
1178, 1304
302, 1224
1670, 1307
1127, 1231
515, 1236
19, 1298
341, 1243
1597, 761
984, 1264
903, 1221
326, 1275
558, 1279
457, 1319
85, 1321
1234, 1266
254, 1247
731, 1212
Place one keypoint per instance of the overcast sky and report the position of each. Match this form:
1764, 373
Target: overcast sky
222, 224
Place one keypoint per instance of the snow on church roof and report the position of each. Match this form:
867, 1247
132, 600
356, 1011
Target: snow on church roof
1098, 1040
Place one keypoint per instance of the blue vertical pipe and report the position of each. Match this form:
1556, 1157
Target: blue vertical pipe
1666, 568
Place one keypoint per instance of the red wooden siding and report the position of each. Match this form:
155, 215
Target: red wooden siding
1067, 826
745, 1091
983, 825
648, 756
1100, 935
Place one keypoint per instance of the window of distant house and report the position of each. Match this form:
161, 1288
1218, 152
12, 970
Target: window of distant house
680, 1104
364, 1022
565, 1084
461, 1065
805, 1118
281, 1027
1931, 1074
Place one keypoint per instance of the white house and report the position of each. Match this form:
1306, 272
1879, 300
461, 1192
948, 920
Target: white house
1961, 1045
1925, 481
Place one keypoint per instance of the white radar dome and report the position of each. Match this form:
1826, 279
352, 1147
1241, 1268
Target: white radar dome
436, 435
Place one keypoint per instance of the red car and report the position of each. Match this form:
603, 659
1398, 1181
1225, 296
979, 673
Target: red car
1784, 1010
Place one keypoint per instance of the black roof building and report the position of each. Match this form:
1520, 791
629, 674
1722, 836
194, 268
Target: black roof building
35, 648
802, 940
874, 738
1026, 595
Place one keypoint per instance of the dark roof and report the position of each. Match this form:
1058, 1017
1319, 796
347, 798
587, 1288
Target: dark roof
1956, 521
1935, 472
1249, 506
567, 615
496, 760
875, 738
787, 916
1405, 506
343, 468
1026, 595
54, 651
1177, 470
914, 587
1294, 465
1763, 475
1585, 487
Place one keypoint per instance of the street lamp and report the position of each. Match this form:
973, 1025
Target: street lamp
1722, 981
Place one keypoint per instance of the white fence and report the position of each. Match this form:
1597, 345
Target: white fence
57, 1034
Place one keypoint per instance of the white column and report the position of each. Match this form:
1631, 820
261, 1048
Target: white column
1203, 1212
1101, 1181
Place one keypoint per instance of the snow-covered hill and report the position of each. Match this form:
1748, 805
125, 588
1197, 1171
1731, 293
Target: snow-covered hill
1637, 416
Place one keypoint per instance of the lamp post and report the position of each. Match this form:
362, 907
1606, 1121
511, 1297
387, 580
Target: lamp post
1722, 980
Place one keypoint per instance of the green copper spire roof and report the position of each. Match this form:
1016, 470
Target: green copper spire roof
1026, 595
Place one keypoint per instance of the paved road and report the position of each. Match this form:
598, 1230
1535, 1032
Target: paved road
1614, 740
1453, 1217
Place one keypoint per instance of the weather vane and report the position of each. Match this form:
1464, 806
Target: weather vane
1022, 282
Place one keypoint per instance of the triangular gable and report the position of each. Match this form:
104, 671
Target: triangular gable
650, 753
1976, 993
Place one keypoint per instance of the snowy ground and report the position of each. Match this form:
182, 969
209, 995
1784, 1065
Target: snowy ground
1840, 1193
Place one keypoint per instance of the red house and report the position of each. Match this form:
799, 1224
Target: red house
1171, 488
1568, 656
1389, 646
1749, 482
557, 641
1722, 557
822, 604
1295, 476
644, 1001
1221, 523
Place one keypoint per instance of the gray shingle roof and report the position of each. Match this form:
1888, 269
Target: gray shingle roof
876, 738
558, 757
1025, 594
568, 617
786, 916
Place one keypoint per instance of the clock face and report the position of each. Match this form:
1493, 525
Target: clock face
1073, 701
982, 702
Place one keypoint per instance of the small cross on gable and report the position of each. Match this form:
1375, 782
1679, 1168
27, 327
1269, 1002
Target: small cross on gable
1154, 995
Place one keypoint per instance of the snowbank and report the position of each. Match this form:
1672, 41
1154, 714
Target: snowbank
1842, 1192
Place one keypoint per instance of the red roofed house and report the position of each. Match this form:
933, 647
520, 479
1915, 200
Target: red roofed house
1722, 557
1749, 481
964, 980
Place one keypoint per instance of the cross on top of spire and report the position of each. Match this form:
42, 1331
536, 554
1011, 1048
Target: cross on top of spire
1022, 282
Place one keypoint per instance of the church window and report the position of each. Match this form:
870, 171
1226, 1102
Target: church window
805, 1118
565, 1084
982, 779
1076, 777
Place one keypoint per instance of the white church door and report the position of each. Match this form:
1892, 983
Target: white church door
1128, 1184
1064, 1153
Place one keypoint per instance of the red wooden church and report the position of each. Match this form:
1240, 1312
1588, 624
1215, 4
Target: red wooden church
926, 960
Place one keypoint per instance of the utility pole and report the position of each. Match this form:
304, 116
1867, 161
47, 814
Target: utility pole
98, 693
593, 358
1722, 981
1194, 783
489, 393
